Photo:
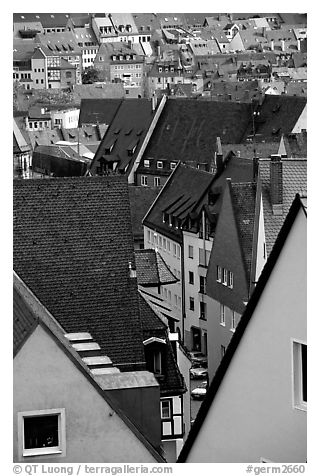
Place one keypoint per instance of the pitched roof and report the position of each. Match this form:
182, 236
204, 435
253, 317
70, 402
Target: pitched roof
152, 270
277, 115
95, 111
187, 129
126, 132
141, 199
28, 313
72, 247
294, 177
244, 199
179, 195
240, 330
46, 19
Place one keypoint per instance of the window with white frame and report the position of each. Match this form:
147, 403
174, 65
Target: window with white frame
174, 249
42, 432
219, 274
144, 180
190, 251
149, 236
165, 408
300, 375
173, 165
222, 315
168, 246
146, 163
156, 181
159, 164
225, 277
164, 243
230, 279
233, 321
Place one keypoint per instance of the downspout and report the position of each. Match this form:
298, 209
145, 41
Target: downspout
183, 294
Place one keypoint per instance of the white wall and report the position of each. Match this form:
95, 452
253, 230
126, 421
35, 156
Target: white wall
253, 414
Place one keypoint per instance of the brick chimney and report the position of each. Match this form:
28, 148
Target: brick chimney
276, 185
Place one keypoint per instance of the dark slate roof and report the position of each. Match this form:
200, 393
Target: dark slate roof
278, 115
181, 192
47, 20
98, 111
72, 247
187, 129
248, 314
24, 321
152, 270
141, 199
172, 383
294, 181
126, 131
243, 200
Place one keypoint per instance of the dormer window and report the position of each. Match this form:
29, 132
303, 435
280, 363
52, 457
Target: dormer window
160, 69
173, 165
159, 164
146, 163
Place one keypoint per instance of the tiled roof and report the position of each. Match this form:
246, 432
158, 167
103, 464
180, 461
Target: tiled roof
44, 138
277, 115
72, 247
24, 321
152, 270
172, 382
243, 199
126, 131
249, 150
294, 181
141, 199
187, 129
98, 111
61, 45
186, 185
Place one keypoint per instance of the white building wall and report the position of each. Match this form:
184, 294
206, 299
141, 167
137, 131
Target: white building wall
253, 415
171, 252
69, 118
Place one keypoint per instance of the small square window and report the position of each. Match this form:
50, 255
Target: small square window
42, 432
173, 165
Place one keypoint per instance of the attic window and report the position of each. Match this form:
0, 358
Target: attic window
128, 131
139, 132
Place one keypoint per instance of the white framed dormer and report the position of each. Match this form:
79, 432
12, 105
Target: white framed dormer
42, 433
299, 374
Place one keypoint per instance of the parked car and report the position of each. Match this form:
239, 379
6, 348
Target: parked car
198, 372
199, 392
198, 358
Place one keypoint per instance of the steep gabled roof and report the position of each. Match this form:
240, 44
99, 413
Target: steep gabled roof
141, 199
28, 313
126, 132
248, 314
98, 111
294, 179
152, 270
187, 129
72, 246
179, 195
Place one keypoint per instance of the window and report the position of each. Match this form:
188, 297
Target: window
191, 304
160, 241
178, 251
146, 163
42, 432
149, 236
159, 164
156, 181
233, 321
204, 256
164, 243
173, 165
157, 362
225, 277
222, 315
169, 295
144, 180
222, 350
165, 409
203, 310
169, 246
230, 279
190, 251
300, 375
174, 249
219, 274
202, 285
191, 277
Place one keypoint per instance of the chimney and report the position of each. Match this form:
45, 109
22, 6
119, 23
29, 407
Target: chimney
219, 156
276, 185
132, 272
